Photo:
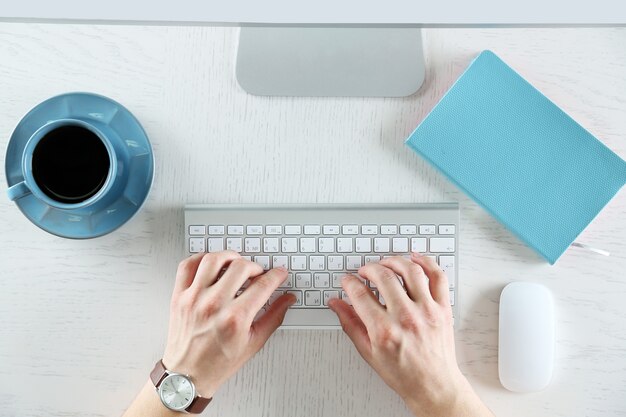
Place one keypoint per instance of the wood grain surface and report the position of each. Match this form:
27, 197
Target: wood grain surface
81, 322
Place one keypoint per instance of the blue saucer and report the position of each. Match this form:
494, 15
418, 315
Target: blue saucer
139, 165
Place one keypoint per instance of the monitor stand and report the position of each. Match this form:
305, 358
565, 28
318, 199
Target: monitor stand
330, 61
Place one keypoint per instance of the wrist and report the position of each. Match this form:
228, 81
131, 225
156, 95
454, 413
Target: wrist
177, 390
205, 385
456, 400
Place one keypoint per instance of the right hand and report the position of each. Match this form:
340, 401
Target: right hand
410, 341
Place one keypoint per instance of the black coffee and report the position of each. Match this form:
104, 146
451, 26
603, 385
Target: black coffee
70, 164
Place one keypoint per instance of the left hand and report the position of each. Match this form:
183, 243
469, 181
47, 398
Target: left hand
212, 332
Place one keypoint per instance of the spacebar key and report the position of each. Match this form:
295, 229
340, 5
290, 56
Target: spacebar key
310, 318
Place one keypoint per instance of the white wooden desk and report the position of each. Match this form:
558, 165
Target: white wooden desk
82, 322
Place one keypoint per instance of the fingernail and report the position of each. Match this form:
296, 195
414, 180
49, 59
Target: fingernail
416, 254
282, 268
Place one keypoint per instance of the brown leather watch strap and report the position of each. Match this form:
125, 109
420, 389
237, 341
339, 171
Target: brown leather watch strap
158, 373
198, 405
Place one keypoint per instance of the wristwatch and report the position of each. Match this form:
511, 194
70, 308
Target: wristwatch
176, 391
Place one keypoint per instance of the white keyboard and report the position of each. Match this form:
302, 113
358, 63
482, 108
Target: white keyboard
319, 244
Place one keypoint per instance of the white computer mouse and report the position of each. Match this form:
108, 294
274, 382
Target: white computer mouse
526, 339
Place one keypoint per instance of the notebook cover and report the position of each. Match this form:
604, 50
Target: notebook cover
519, 156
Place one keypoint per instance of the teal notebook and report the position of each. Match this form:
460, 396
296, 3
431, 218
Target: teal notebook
519, 156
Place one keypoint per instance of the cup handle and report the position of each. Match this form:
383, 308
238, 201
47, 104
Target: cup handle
19, 190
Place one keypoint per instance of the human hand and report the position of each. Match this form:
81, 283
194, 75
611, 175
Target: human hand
410, 341
212, 332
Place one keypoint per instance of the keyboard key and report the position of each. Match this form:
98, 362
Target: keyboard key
303, 280
307, 244
197, 230
381, 244
418, 244
331, 229
344, 244
353, 263
447, 229
321, 280
329, 295
288, 282
363, 244
263, 261
280, 261
369, 229
275, 296
345, 298
270, 245
293, 230
448, 265
442, 244
196, 244
388, 229
312, 298
317, 262
215, 244
372, 259
451, 292
235, 230
350, 229
254, 230
335, 262
216, 230
326, 244
311, 229
274, 229
298, 295
408, 229
253, 244
234, 244
400, 244
289, 244
298, 262
337, 276
363, 280
427, 229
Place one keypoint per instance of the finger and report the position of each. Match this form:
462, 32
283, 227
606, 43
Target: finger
387, 283
237, 273
353, 326
263, 328
415, 280
211, 266
367, 306
257, 294
187, 271
437, 279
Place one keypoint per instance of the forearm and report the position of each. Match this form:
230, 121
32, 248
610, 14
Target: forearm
147, 403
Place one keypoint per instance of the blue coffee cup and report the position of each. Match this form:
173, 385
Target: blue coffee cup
106, 192
79, 165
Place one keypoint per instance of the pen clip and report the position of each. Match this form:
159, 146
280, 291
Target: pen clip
591, 249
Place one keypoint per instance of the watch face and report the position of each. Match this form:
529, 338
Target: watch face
176, 392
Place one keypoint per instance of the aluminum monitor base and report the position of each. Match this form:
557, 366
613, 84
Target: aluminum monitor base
330, 61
